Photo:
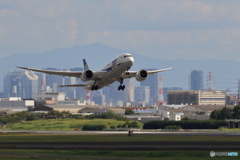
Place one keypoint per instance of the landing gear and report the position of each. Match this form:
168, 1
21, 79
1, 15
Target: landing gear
127, 73
121, 87
94, 87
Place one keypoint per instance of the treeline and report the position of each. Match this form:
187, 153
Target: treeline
27, 116
226, 113
108, 115
186, 124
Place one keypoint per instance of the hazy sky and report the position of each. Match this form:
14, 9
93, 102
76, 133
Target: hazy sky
179, 29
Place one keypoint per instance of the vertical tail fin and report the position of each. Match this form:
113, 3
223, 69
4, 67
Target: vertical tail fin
85, 65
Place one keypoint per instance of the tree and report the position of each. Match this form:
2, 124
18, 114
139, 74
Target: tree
129, 112
216, 114
186, 118
236, 112
226, 113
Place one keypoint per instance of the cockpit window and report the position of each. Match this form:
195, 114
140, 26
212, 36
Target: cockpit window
127, 56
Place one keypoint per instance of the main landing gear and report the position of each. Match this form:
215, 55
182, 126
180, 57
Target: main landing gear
121, 87
94, 87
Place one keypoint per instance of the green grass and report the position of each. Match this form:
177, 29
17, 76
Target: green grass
25, 137
226, 129
63, 124
163, 155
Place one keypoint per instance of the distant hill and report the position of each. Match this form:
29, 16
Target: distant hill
97, 55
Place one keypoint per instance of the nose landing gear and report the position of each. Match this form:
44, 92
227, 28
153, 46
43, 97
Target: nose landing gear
121, 87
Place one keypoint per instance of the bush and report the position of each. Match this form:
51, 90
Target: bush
93, 127
186, 124
107, 115
31, 117
78, 126
112, 127
173, 127
129, 112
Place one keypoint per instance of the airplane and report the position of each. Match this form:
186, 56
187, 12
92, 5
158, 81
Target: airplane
116, 70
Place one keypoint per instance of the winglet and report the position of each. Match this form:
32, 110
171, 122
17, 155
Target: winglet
85, 65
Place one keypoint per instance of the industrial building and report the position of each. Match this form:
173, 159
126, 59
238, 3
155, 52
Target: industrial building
166, 89
197, 97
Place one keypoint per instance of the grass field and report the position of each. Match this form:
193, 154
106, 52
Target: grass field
63, 124
146, 155
153, 155
20, 137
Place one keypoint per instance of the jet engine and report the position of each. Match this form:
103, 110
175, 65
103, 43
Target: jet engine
86, 75
141, 75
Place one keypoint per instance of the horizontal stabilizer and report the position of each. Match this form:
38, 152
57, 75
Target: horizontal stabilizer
73, 85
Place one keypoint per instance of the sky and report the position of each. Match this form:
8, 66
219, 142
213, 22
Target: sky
166, 29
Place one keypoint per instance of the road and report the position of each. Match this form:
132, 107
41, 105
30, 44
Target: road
208, 146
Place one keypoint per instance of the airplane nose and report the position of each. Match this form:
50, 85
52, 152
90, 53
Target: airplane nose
131, 59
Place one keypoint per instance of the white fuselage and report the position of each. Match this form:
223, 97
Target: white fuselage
115, 71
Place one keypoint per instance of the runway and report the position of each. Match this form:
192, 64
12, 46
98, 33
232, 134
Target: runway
125, 133
208, 146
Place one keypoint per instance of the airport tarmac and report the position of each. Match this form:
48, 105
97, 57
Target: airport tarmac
126, 132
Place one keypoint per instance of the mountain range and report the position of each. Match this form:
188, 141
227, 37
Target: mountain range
225, 72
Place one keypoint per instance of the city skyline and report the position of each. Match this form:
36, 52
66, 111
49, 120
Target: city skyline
24, 83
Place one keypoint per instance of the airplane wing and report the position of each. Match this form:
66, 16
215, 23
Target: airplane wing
61, 73
73, 85
133, 73
98, 74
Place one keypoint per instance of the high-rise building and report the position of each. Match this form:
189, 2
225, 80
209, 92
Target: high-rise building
20, 84
152, 82
142, 94
98, 98
129, 90
53, 81
78, 92
196, 80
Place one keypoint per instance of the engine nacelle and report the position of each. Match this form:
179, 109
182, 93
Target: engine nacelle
141, 75
86, 75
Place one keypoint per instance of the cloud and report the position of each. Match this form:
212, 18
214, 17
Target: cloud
212, 43
8, 12
2, 31
184, 29
68, 29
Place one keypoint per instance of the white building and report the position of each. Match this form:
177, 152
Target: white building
175, 117
56, 96
16, 104
72, 102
